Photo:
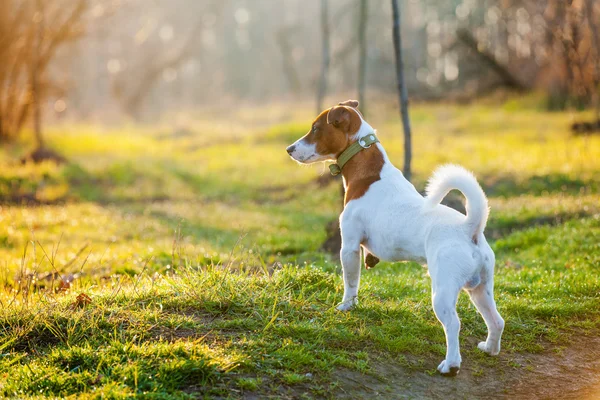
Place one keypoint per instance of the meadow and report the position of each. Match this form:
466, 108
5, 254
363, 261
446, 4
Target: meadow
184, 260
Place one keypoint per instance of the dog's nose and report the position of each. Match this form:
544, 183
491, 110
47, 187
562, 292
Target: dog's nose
290, 149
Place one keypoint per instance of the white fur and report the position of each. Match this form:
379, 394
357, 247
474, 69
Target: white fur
364, 130
450, 177
395, 223
306, 153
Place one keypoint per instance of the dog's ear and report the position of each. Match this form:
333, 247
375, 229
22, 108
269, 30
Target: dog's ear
338, 116
349, 103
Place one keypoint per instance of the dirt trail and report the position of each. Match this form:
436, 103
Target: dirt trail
573, 373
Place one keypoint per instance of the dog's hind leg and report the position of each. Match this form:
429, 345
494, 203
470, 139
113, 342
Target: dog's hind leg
445, 289
483, 298
444, 297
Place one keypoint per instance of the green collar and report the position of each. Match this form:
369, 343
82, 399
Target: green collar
363, 143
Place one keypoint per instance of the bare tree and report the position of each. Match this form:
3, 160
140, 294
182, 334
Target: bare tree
28, 45
509, 79
402, 90
15, 44
362, 54
284, 40
593, 23
131, 89
325, 55
36, 94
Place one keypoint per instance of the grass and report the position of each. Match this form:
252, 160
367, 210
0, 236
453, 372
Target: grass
199, 251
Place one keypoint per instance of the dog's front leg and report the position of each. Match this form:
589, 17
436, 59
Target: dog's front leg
350, 256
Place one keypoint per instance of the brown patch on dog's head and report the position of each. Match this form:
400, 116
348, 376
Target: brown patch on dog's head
345, 117
328, 139
332, 130
349, 103
353, 104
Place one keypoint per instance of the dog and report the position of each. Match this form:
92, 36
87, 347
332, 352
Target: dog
386, 216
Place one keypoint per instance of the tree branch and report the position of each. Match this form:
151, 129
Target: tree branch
490, 60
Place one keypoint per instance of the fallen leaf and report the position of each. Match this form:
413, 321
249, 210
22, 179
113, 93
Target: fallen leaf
81, 300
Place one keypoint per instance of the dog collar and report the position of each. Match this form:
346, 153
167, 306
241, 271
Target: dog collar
363, 143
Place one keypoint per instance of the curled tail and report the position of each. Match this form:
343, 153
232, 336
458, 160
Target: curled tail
449, 177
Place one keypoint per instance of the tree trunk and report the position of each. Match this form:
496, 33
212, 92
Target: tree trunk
402, 90
26, 49
595, 39
2, 133
362, 55
325, 58
35, 76
289, 69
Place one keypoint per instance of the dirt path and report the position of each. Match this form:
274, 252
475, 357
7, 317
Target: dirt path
573, 373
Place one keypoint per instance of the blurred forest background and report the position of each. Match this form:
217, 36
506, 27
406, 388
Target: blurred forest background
101, 60
125, 98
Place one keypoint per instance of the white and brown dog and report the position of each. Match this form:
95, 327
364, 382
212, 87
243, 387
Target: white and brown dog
386, 215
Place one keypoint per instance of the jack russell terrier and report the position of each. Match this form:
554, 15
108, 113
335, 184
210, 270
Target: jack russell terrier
384, 213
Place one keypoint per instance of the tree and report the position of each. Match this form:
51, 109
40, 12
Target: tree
285, 41
362, 54
15, 44
488, 58
36, 92
402, 90
325, 55
594, 26
133, 88
28, 45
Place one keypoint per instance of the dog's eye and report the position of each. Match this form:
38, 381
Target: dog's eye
315, 129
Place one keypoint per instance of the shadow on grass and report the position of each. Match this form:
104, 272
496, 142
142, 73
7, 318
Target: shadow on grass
130, 188
109, 186
214, 188
224, 238
497, 229
538, 185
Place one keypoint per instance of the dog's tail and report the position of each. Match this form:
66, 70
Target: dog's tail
449, 177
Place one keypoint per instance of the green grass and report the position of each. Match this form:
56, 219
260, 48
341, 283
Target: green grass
199, 249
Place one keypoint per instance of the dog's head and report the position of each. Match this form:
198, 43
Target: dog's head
330, 134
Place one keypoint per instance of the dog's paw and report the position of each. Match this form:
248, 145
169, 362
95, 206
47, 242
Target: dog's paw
491, 350
347, 305
447, 369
